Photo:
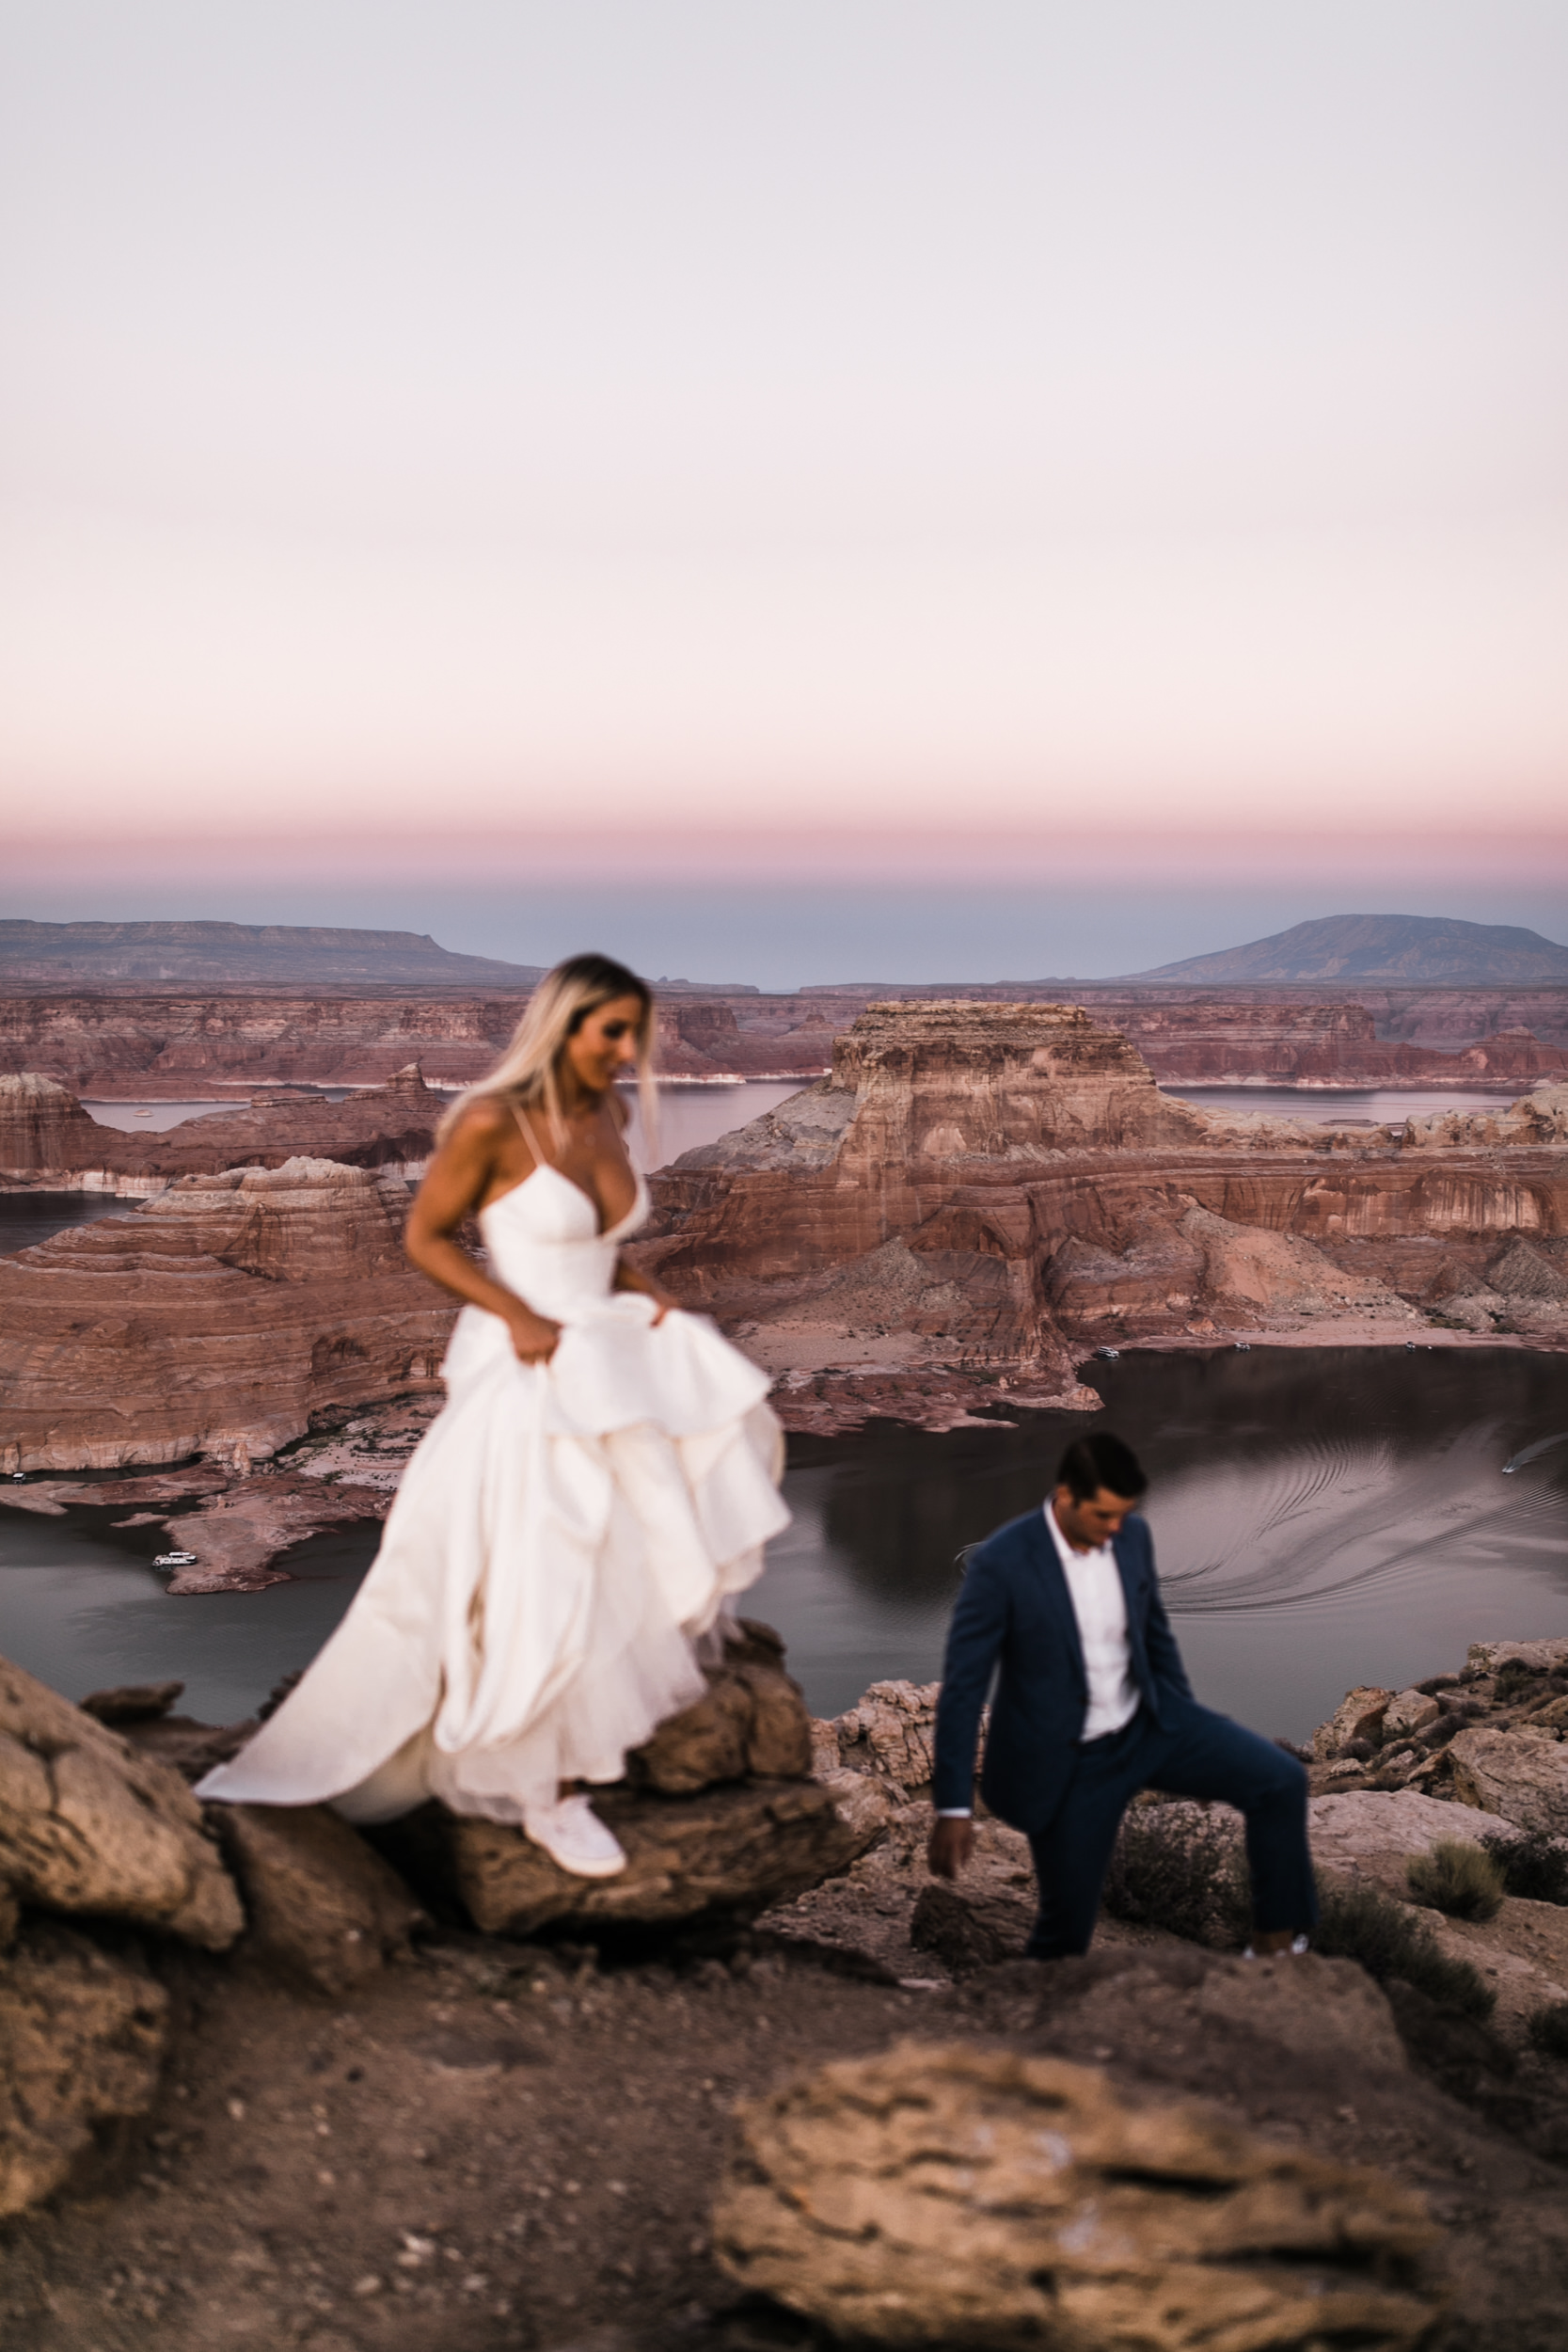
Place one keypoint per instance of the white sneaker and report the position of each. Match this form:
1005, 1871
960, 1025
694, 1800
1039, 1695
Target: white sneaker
574, 1836
1294, 1950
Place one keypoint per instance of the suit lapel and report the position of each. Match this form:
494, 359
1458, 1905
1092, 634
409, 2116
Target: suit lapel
1054, 1584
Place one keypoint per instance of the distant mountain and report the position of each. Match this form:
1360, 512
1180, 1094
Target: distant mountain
1431, 948
251, 955
229, 955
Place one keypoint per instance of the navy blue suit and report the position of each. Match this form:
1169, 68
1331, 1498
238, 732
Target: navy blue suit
1014, 1619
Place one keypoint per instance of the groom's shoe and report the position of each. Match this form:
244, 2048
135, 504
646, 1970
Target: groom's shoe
574, 1836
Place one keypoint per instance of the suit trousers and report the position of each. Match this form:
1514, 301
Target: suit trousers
1197, 1754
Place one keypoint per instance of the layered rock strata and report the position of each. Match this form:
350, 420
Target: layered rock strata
983, 1189
47, 1138
216, 1320
118, 1045
940, 2195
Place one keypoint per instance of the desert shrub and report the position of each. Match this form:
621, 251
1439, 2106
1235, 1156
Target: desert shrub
1183, 1870
1458, 1879
1515, 1680
1357, 1923
1533, 1864
1548, 2029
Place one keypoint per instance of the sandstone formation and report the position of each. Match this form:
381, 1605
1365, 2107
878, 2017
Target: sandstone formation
117, 1042
1538, 1117
1275, 1022
1492, 1740
322, 1905
81, 2041
942, 2195
217, 1319
717, 1815
753, 1723
724, 1853
44, 1130
891, 1730
1522, 1773
89, 1828
1206, 1040
977, 1189
47, 1138
173, 1046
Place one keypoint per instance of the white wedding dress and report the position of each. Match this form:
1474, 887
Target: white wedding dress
563, 1538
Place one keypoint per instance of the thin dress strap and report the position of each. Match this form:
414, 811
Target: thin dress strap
528, 1136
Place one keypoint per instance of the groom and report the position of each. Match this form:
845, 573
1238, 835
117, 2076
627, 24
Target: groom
1092, 1704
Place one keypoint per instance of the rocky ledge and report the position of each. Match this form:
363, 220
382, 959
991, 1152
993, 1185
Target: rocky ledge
263, 2080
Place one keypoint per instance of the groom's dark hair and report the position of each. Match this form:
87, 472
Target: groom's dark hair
1101, 1460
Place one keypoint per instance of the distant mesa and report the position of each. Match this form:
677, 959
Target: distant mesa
277, 955
80, 955
1433, 948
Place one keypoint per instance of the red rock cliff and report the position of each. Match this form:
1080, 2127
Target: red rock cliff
216, 1319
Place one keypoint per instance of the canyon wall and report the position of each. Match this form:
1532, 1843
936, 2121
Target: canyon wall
110, 1046
1315, 1045
1182, 1025
988, 1187
215, 1320
46, 1136
113, 1047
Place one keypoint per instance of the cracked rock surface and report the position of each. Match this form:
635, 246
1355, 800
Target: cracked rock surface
87, 1825
940, 2194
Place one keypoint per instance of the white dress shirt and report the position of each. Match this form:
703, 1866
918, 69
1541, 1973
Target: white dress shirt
1100, 1605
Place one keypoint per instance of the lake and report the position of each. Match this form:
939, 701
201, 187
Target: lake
1321, 1517
1335, 1106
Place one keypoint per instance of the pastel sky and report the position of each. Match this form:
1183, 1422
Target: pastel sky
684, 439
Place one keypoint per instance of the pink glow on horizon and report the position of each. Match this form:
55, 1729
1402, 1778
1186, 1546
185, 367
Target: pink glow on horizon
1349, 860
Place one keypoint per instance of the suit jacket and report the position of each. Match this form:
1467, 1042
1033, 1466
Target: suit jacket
1015, 1613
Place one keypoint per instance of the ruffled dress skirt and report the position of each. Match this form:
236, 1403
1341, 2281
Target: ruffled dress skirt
562, 1539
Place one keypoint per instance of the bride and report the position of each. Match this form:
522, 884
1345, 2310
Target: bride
602, 1479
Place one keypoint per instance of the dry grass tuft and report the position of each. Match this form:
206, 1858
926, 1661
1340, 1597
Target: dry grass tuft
1462, 1881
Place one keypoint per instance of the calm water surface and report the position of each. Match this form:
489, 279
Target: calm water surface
1321, 1517
1331, 1107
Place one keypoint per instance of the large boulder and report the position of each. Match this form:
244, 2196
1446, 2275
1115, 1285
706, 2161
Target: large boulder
1358, 1716
1522, 1775
1542, 1656
82, 2038
722, 1854
751, 1720
892, 1730
1410, 1712
1354, 1830
946, 2195
88, 1826
324, 1908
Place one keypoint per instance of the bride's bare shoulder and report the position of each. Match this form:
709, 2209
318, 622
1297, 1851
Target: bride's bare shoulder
484, 1124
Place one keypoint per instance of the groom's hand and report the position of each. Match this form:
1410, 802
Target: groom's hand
950, 1845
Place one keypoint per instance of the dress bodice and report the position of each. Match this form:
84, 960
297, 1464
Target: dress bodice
545, 1244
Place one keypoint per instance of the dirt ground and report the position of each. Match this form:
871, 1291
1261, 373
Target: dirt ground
495, 2146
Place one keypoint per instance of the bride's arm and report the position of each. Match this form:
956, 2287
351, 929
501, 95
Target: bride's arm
456, 1182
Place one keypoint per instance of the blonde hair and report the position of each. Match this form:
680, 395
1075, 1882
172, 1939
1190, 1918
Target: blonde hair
527, 1071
